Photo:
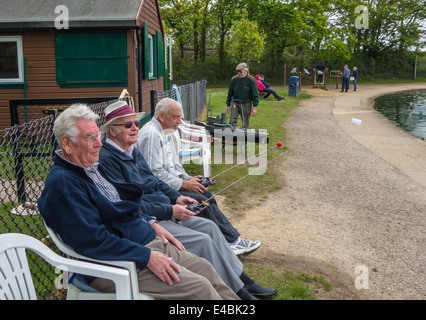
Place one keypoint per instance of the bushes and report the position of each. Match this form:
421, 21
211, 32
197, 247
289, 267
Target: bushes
219, 73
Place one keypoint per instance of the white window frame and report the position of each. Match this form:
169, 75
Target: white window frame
18, 40
151, 56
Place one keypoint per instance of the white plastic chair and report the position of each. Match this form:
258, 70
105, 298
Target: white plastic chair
15, 276
196, 151
75, 293
188, 149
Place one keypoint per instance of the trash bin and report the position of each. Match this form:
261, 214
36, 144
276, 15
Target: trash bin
293, 86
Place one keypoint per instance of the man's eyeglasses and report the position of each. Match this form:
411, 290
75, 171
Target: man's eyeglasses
90, 138
128, 124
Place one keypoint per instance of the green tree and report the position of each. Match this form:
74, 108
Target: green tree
245, 42
223, 13
279, 23
176, 15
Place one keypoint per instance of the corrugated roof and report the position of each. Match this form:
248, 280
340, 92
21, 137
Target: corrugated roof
24, 14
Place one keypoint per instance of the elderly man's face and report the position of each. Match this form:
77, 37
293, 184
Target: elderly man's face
127, 136
85, 151
242, 73
172, 119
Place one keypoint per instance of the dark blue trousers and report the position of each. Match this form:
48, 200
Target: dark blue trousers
212, 212
345, 84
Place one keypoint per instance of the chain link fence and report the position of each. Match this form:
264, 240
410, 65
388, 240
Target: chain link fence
192, 96
27, 150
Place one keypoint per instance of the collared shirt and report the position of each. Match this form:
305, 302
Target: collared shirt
128, 152
104, 186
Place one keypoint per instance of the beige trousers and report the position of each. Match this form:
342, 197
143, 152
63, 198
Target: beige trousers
197, 281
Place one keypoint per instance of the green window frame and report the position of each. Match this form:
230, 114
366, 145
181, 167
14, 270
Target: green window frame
91, 59
153, 54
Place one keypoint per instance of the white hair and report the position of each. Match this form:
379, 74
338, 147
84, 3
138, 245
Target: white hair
65, 122
164, 105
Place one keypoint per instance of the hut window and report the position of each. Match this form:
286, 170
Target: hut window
11, 60
153, 54
91, 59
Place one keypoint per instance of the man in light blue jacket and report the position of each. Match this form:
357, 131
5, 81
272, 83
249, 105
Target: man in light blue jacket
345, 79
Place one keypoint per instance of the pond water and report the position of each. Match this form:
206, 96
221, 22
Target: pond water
406, 109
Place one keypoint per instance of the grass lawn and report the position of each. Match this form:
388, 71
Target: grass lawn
271, 115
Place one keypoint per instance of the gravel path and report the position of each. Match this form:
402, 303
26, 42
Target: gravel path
354, 202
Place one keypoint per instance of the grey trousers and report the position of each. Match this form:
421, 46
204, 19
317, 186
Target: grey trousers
212, 212
243, 109
203, 238
197, 279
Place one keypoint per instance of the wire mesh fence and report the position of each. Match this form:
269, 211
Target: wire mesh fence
192, 96
27, 150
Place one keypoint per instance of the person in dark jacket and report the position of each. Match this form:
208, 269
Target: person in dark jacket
242, 95
355, 75
320, 74
103, 219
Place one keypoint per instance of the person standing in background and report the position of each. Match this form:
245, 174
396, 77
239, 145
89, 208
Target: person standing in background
345, 79
355, 75
242, 94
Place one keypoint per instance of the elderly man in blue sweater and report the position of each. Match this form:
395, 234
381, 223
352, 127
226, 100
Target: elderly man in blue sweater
102, 218
199, 235
345, 79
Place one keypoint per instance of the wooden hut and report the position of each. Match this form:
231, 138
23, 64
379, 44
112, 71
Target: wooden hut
74, 49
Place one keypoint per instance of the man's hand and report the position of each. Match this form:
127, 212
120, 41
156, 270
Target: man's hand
193, 185
227, 109
163, 267
180, 212
184, 200
167, 236
253, 111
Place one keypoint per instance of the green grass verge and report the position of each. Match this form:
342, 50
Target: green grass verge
289, 285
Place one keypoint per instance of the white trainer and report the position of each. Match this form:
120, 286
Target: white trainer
242, 246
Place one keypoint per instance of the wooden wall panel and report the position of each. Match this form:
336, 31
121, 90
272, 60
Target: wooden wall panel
39, 52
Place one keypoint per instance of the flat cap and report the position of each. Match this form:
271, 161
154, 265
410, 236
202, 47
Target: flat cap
241, 66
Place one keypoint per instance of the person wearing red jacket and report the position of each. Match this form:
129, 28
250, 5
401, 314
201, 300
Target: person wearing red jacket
263, 86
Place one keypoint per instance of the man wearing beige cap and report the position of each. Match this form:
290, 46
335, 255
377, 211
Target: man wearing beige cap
242, 94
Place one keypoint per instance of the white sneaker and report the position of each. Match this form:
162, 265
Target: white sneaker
242, 246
